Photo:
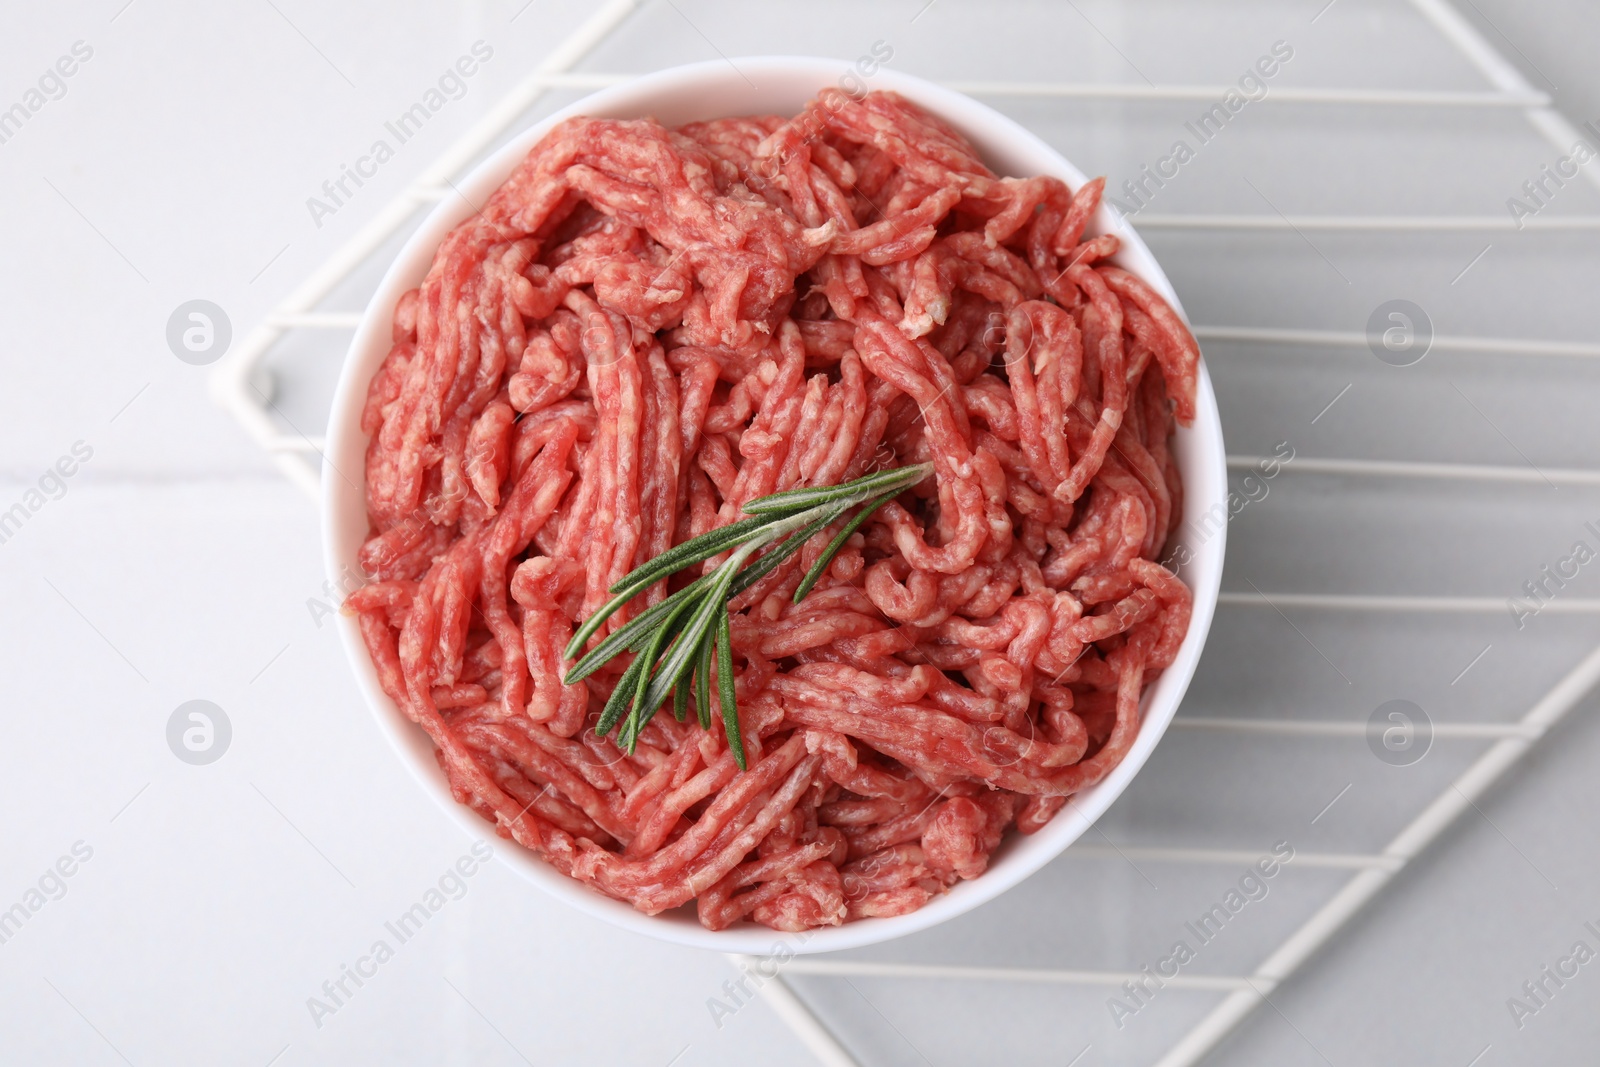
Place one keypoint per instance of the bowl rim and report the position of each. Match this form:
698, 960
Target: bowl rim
1199, 450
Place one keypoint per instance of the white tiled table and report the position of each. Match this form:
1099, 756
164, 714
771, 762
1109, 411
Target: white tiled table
179, 565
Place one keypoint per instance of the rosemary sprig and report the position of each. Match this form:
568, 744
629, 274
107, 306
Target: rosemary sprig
676, 641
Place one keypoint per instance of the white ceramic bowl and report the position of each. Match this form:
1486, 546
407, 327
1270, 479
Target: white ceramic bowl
715, 89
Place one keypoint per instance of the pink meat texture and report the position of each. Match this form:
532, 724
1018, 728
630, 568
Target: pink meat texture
645, 328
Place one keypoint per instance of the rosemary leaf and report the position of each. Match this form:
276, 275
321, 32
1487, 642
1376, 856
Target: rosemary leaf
815, 573
619, 698
680, 701
789, 500
702, 686
730, 710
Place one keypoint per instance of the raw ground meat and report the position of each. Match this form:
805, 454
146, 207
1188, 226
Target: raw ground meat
646, 328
